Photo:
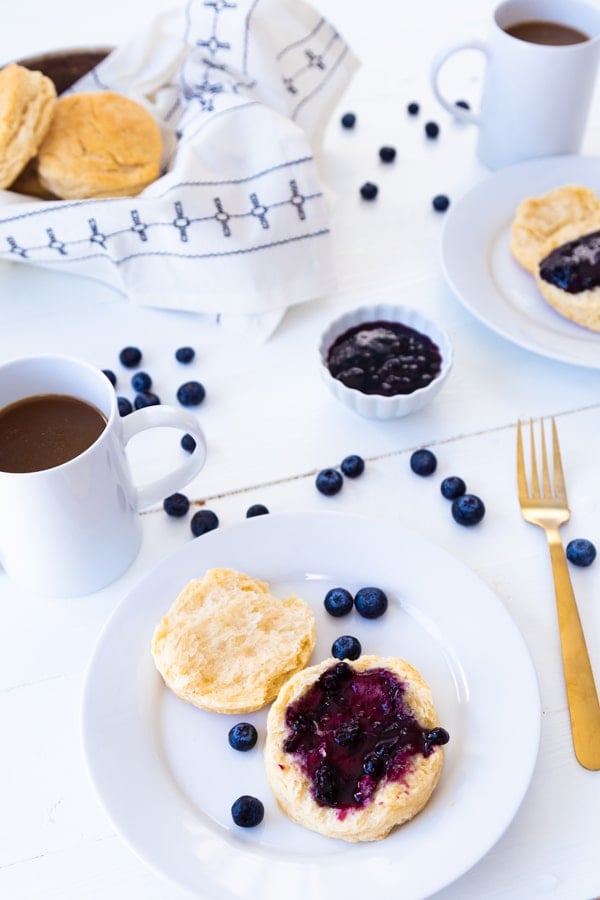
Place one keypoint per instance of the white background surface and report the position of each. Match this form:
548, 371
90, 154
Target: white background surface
271, 425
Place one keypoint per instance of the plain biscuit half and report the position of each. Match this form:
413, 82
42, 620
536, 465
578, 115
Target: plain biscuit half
227, 644
99, 144
393, 802
27, 101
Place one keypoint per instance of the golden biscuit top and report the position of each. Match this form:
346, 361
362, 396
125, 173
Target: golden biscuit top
99, 144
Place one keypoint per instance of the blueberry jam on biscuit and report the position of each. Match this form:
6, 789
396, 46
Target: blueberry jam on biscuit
575, 266
351, 730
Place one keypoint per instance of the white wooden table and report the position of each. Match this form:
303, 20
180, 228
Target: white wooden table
271, 425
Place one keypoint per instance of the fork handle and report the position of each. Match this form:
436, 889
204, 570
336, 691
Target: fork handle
584, 708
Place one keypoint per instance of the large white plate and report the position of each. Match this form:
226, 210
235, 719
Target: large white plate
167, 777
482, 272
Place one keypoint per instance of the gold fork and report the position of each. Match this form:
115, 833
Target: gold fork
548, 507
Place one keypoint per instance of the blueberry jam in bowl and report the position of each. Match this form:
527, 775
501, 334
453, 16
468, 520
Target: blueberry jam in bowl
384, 361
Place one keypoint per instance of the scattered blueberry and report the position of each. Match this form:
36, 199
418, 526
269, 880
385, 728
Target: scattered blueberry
145, 398
423, 462
247, 811
581, 552
130, 357
257, 509
440, 202
346, 647
387, 154
468, 509
329, 482
176, 505
338, 602
191, 393
370, 602
462, 104
202, 521
188, 443
185, 354
432, 129
452, 487
353, 466
242, 736
111, 376
369, 191
141, 381
348, 120
413, 109
124, 405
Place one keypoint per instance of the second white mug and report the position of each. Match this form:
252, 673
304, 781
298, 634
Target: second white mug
71, 528
536, 96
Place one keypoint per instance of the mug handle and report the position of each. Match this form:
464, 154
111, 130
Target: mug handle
170, 417
464, 115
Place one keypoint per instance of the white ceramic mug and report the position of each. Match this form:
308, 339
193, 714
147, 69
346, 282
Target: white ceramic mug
74, 528
535, 97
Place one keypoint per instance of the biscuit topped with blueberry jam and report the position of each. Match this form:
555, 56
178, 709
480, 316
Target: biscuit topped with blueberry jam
354, 748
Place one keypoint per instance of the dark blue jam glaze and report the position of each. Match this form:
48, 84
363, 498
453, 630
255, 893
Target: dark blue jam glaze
352, 730
385, 358
574, 267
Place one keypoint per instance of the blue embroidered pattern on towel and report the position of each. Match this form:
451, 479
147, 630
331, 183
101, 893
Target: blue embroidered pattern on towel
235, 90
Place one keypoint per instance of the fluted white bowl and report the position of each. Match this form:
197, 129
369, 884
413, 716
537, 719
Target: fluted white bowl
376, 406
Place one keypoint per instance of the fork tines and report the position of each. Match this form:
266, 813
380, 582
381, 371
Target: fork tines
548, 490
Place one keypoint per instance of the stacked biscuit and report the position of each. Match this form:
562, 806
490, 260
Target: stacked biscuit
542, 225
77, 146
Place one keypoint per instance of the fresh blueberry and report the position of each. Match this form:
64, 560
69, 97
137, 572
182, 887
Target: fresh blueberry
191, 393
202, 521
440, 202
581, 552
124, 405
370, 602
329, 482
432, 129
257, 509
369, 191
247, 811
176, 505
346, 647
387, 154
413, 109
468, 509
452, 487
111, 376
462, 104
353, 466
348, 120
145, 398
130, 357
188, 443
338, 602
141, 381
242, 736
423, 462
437, 736
185, 354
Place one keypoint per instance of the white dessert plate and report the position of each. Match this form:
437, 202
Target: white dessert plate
485, 277
165, 773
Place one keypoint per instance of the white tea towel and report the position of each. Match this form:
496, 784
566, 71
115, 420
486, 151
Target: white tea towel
238, 223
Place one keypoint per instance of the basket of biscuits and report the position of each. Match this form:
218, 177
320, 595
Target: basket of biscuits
178, 168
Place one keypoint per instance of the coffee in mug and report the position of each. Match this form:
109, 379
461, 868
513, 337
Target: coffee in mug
69, 503
541, 61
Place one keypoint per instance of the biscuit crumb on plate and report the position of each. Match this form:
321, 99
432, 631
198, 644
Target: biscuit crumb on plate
227, 644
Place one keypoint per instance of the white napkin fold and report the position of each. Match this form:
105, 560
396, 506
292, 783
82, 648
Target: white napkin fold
238, 224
